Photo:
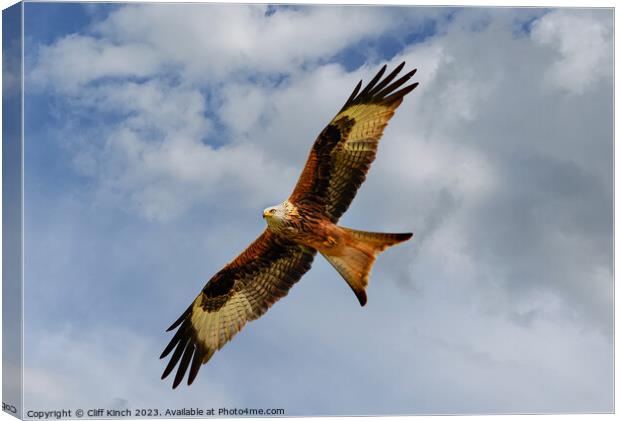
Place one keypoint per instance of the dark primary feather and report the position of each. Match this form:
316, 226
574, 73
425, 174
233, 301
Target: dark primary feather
372, 82
388, 79
375, 93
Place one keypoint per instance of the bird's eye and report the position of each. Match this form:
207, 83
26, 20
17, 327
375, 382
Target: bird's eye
272, 211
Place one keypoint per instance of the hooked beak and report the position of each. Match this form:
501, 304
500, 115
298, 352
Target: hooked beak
265, 214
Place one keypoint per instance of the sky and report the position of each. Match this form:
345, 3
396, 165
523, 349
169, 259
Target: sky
155, 134
11, 209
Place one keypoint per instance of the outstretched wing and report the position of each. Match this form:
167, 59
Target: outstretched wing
242, 291
343, 152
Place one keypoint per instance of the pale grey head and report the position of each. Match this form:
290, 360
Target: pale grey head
279, 216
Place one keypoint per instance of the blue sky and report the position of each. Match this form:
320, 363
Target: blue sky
156, 134
11, 211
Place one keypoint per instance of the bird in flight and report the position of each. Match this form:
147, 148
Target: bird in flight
296, 229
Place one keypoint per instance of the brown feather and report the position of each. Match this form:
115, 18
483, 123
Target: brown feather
343, 152
354, 252
242, 291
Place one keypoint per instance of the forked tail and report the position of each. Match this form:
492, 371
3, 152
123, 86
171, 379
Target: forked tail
355, 258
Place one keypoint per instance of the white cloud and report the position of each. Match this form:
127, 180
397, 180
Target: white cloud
137, 64
76, 60
582, 44
208, 43
226, 40
100, 369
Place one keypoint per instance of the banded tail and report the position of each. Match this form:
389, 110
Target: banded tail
354, 259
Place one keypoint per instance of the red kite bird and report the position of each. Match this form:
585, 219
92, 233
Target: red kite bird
296, 229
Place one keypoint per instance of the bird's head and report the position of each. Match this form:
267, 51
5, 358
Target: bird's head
275, 212
271, 212
279, 215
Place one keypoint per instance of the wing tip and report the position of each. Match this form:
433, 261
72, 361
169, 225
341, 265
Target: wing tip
178, 321
188, 354
191, 349
380, 90
399, 95
184, 345
404, 236
362, 297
